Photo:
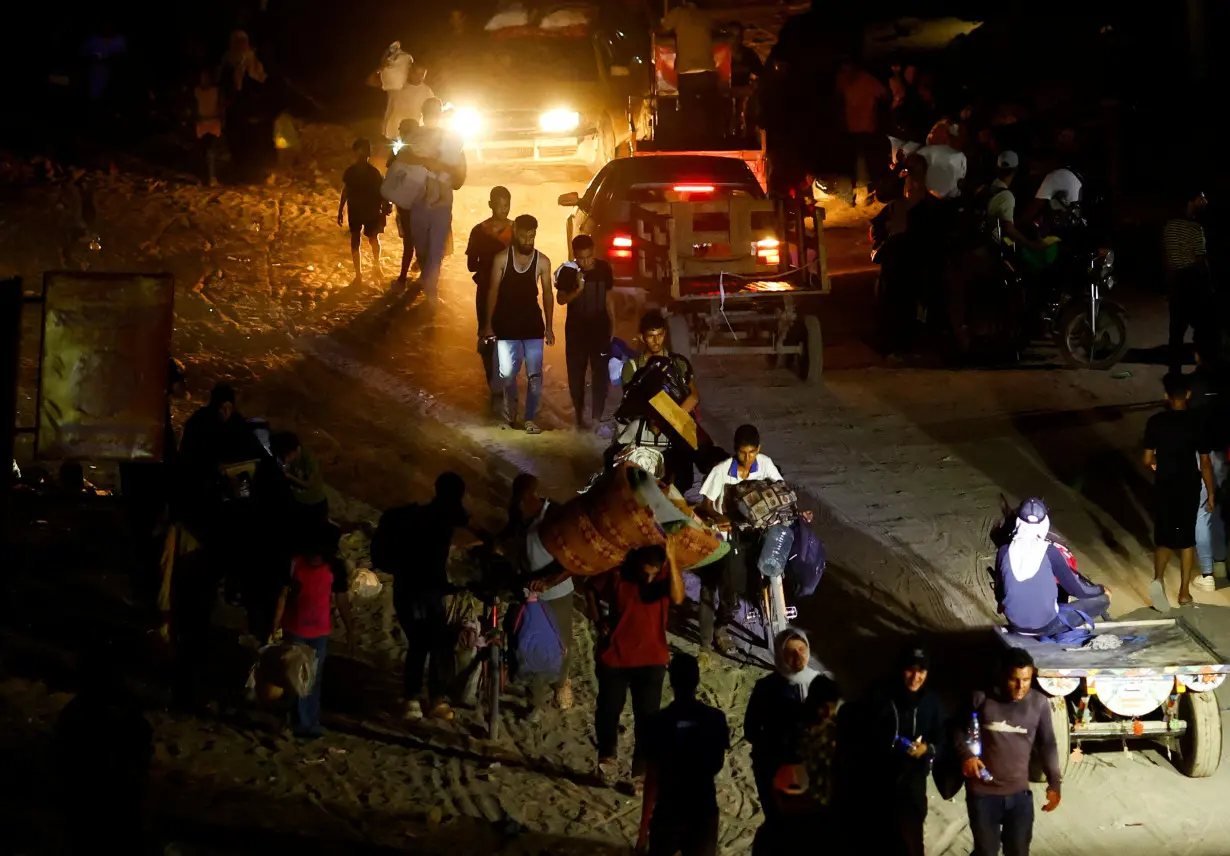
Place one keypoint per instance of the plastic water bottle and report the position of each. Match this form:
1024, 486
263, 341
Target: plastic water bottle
905, 744
775, 550
973, 739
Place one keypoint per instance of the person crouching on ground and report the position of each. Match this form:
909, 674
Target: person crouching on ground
304, 612
687, 746
774, 716
632, 650
361, 200
1030, 569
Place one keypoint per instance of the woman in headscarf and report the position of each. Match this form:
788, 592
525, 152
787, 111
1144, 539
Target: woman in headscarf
1030, 570
775, 714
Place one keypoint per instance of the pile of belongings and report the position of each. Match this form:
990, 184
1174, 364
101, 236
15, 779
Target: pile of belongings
655, 393
563, 19
762, 504
623, 510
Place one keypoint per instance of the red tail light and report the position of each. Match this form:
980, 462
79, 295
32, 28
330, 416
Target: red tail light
693, 188
768, 251
621, 247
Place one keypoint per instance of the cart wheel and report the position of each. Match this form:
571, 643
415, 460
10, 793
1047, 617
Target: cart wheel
679, 337
1063, 740
811, 361
1200, 745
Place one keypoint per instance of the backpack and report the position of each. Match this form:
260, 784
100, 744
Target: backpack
807, 560
539, 648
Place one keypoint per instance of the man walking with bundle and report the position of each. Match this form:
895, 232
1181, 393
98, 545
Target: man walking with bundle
584, 286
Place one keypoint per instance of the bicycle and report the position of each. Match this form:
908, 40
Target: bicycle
772, 612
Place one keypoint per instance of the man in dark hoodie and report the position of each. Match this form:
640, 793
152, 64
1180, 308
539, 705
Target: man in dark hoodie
687, 745
901, 736
773, 721
412, 544
1014, 717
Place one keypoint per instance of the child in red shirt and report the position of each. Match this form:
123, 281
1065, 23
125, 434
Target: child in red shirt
305, 615
632, 651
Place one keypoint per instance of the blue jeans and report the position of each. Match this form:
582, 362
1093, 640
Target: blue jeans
430, 234
307, 709
996, 819
1210, 525
510, 354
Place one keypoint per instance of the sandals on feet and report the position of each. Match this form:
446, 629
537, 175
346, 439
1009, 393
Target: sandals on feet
608, 771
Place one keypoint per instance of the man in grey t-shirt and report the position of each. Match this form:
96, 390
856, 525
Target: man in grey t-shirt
1013, 718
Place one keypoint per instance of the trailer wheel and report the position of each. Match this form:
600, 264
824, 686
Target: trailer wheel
1200, 745
1063, 740
811, 361
678, 335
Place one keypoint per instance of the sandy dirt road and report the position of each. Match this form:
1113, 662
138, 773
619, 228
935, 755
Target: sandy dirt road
904, 467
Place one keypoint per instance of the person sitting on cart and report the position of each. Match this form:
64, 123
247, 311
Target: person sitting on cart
1030, 569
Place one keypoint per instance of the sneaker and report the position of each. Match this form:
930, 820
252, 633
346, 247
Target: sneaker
1205, 582
412, 712
723, 643
531, 427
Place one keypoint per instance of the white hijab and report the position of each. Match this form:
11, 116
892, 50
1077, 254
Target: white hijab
1028, 548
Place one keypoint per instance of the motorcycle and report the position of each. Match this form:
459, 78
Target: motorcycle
1065, 302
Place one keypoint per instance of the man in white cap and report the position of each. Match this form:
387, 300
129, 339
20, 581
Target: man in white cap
1001, 207
1031, 568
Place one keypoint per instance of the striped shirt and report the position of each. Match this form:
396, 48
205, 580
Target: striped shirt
1183, 244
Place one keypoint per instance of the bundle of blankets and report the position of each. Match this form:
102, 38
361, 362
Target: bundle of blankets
624, 509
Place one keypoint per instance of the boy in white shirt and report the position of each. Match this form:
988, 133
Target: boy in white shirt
727, 577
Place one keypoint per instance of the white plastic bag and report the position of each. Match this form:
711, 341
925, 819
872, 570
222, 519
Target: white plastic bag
562, 19
513, 16
364, 584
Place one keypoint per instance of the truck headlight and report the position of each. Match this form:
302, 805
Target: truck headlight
559, 121
466, 122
